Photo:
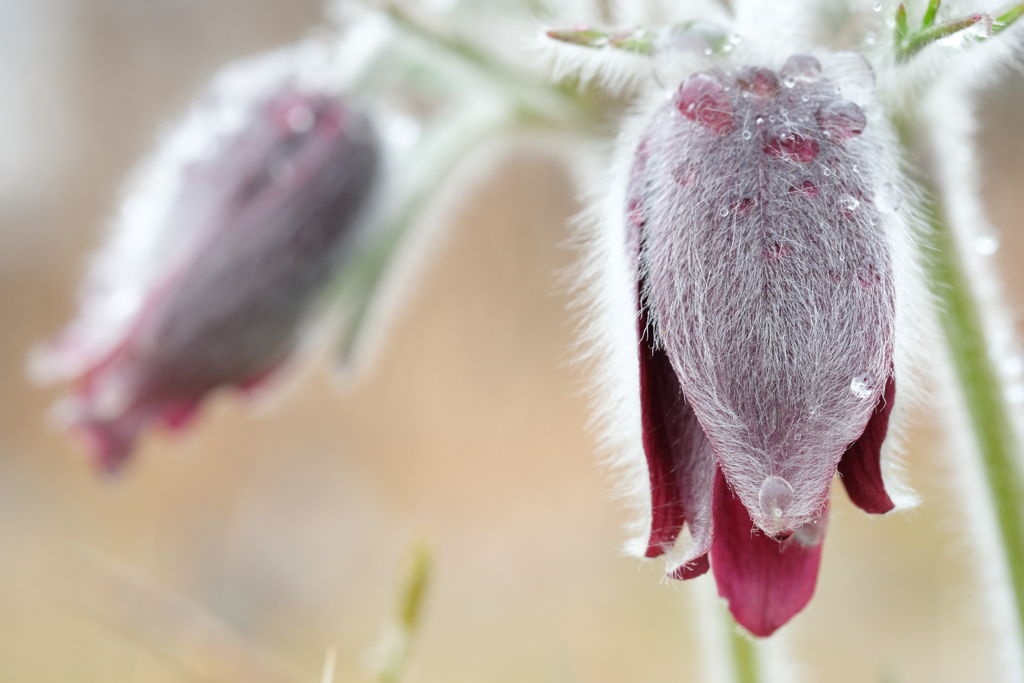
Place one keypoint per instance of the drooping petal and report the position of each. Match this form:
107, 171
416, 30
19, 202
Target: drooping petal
680, 462
861, 466
769, 277
765, 581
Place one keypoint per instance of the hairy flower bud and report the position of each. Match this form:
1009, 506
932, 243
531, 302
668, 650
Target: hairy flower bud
764, 286
257, 223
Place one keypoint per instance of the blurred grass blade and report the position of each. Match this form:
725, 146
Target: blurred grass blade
393, 650
184, 632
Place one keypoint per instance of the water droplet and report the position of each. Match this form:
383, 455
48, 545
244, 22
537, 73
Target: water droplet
735, 39
986, 245
759, 120
775, 496
877, 7
708, 52
889, 198
805, 98
801, 68
851, 203
759, 81
870, 39
856, 168
772, 118
862, 386
827, 172
747, 135
727, 48
798, 436
702, 98
723, 212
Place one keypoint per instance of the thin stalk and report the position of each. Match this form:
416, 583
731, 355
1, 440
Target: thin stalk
558, 104
744, 654
982, 390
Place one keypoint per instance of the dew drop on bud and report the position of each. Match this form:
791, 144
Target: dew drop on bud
986, 245
775, 497
800, 68
758, 80
702, 98
862, 386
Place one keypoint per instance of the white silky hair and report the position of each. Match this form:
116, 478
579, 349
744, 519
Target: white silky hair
607, 283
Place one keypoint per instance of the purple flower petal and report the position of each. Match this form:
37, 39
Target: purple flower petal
861, 466
765, 581
679, 459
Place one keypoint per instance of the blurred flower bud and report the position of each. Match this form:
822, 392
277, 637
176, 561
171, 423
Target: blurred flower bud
238, 225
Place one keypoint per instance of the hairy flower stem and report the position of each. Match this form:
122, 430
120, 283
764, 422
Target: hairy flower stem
539, 101
988, 413
979, 382
744, 654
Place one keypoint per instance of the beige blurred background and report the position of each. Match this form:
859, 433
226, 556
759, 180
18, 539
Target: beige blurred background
289, 527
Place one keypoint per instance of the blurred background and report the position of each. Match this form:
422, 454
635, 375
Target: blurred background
288, 526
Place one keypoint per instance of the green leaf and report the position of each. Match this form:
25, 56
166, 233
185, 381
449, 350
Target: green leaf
930, 13
634, 40
1004, 20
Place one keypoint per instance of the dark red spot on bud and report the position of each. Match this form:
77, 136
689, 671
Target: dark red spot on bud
744, 206
684, 175
807, 188
702, 98
867, 275
758, 80
841, 120
635, 212
793, 146
776, 252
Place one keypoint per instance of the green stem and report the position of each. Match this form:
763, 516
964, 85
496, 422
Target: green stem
556, 103
744, 654
982, 391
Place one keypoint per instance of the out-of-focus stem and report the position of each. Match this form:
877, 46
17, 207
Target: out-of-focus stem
744, 655
556, 104
979, 382
394, 649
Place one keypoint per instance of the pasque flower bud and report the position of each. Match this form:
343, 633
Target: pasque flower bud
215, 264
762, 250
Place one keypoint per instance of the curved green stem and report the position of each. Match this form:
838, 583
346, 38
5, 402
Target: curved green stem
993, 430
